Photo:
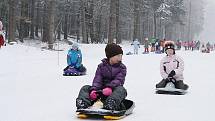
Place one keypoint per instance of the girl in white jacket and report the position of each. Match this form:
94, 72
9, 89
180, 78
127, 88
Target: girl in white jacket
171, 68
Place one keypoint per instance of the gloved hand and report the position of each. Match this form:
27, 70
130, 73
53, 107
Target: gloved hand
93, 95
107, 91
171, 74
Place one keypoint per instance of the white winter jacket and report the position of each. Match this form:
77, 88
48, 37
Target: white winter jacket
169, 63
136, 44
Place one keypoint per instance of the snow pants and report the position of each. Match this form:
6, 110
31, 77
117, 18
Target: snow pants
118, 95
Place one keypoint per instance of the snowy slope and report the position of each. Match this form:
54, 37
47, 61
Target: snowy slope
32, 87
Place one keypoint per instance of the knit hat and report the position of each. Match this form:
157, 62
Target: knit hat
75, 46
169, 45
112, 50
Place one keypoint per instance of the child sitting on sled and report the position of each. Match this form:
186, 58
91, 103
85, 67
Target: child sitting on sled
74, 58
171, 67
108, 82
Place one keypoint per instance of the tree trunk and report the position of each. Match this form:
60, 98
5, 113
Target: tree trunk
92, 23
37, 20
99, 30
26, 18
59, 32
83, 22
155, 26
118, 34
66, 22
32, 19
45, 23
22, 21
48, 23
51, 11
189, 22
136, 20
112, 22
58, 28
78, 28
12, 20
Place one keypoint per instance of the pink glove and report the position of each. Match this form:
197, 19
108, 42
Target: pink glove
107, 91
93, 95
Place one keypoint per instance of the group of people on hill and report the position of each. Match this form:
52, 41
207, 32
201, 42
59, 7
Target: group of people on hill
195, 45
109, 79
156, 45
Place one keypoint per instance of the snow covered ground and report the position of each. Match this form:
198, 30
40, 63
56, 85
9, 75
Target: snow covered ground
32, 87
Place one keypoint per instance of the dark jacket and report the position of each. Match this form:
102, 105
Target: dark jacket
109, 75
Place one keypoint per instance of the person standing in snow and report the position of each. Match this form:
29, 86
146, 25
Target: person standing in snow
162, 45
171, 67
74, 58
1, 34
108, 82
146, 45
203, 48
136, 45
208, 46
152, 41
1, 25
157, 45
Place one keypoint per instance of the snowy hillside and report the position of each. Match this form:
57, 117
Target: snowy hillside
32, 87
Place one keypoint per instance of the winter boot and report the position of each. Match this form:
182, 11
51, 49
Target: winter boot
80, 104
161, 84
180, 85
111, 104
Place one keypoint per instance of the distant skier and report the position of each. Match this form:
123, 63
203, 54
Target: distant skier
171, 67
136, 45
107, 83
74, 59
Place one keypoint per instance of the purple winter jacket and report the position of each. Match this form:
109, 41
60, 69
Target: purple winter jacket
109, 75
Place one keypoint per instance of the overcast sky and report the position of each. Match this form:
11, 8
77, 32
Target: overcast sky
208, 33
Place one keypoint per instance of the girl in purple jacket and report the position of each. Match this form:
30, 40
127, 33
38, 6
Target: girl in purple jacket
171, 67
108, 82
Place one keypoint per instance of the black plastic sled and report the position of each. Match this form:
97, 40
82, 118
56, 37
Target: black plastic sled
71, 71
100, 113
170, 89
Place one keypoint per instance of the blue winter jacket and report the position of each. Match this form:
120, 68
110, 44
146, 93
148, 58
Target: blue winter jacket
74, 58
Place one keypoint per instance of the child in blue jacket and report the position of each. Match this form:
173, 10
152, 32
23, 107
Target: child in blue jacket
74, 58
